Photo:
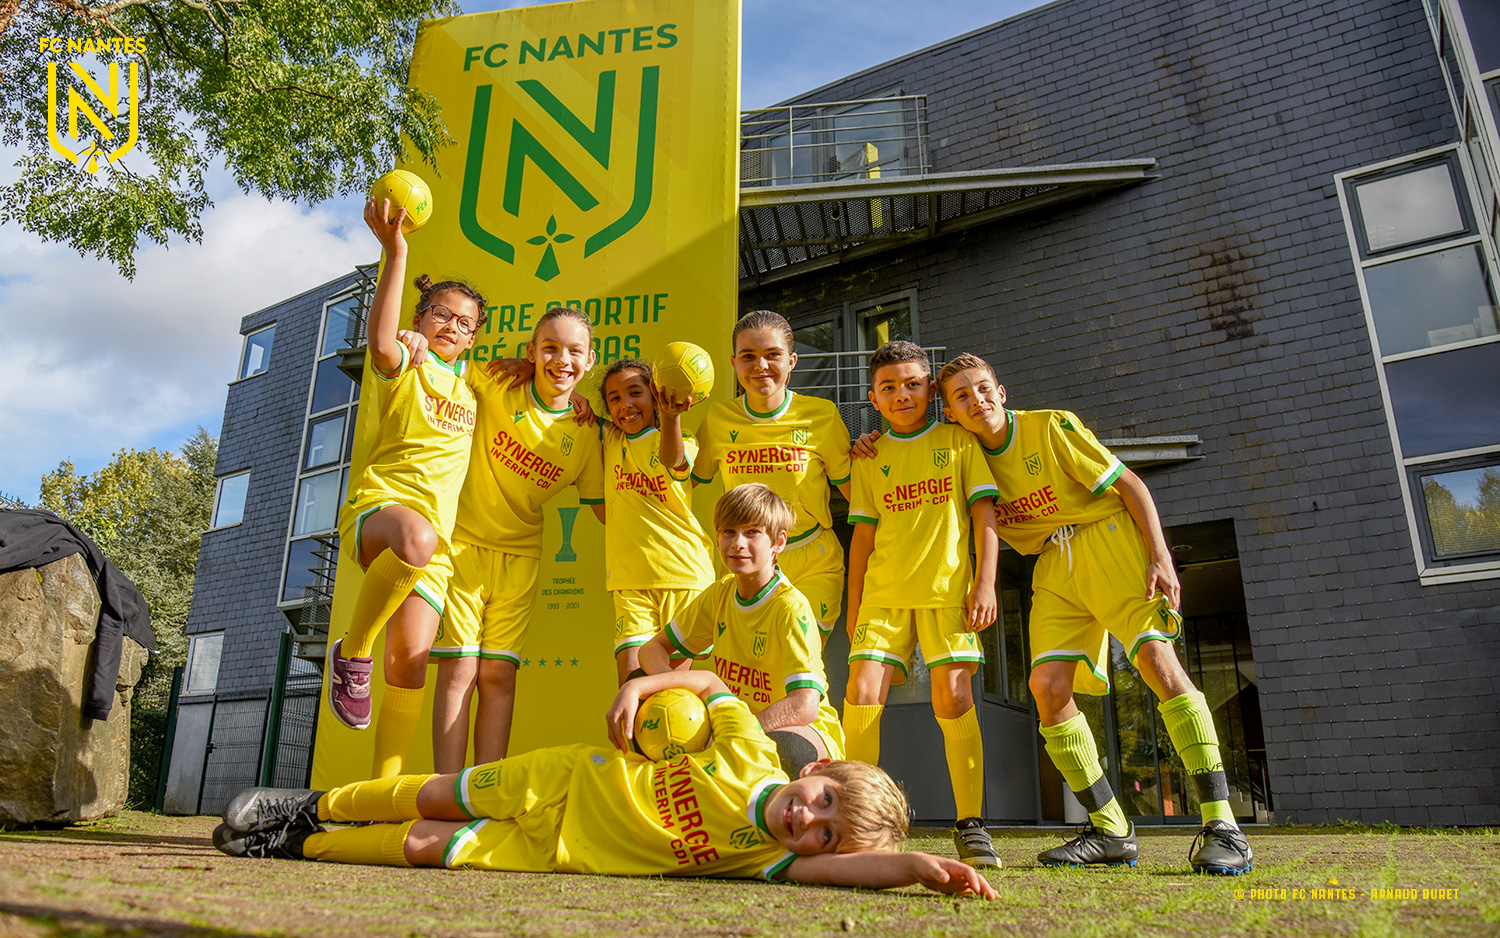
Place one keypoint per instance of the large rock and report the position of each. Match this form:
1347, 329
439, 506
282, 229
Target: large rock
55, 765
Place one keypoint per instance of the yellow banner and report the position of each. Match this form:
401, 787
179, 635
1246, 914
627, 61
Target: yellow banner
596, 167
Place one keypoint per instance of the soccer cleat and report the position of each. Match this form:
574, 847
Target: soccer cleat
1094, 847
1221, 848
349, 688
284, 841
974, 845
258, 809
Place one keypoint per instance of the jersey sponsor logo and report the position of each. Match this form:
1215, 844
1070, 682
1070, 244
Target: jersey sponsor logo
743, 838
768, 458
1033, 464
653, 486
751, 685
1030, 507
448, 416
676, 802
914, 495
519, 458
941, 458
800, 436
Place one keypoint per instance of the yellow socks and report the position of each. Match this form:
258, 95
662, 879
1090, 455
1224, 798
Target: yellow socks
1071, 747
1191, 727
862, 732
388, 581
379, 799
394, 727
965, 750
375, 845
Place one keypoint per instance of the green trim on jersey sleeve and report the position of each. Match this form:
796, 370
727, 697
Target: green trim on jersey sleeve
590, 501
701, 481
677, 641
779, 867
983, 491
861, 518
1108, 479
400, 369
458, 792
800, 682
719, 697
843, 481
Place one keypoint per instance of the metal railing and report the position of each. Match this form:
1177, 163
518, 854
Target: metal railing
844, 378
310, 624
841, 140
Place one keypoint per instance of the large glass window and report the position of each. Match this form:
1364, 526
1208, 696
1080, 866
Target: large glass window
204, 652
331, 387
1462, 509
1429, 286
257, 355
325, 441
229, 501
318, 500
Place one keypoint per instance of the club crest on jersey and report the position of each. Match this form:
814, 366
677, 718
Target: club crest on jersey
800, 436
941, 457
567, 445
486, 777
758, 647
655, 461
1034, 464
746, 837
859, 634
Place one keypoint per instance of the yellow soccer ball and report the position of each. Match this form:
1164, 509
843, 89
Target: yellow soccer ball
684, 368
405, 190
670, 723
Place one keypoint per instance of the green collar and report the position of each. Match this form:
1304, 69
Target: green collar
1010, 435
765, 591
537, 400
786, 403
931, 422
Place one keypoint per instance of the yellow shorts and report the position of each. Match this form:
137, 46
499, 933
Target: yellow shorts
433, 585
888, 636
517, 809
1088, 587
489, 604
640, 614
815, 565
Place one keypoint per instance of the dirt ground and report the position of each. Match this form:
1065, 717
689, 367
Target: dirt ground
149, 875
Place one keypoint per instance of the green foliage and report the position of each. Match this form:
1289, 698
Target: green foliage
146, 510
301, 99
1461, 527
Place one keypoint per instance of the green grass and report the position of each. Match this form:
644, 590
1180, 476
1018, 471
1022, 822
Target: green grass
147, 875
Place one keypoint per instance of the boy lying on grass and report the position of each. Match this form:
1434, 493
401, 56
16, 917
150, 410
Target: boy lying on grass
726, 811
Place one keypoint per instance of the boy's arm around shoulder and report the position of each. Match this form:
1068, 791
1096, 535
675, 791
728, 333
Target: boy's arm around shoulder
881, 869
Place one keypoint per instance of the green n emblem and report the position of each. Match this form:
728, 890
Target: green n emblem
800, 436
1034, 464
525, 148
758, 647
744, 838
941, 457
567, 445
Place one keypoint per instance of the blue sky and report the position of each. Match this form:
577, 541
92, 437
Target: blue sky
92, 363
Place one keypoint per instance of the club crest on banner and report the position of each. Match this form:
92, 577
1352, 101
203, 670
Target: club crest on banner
119, 99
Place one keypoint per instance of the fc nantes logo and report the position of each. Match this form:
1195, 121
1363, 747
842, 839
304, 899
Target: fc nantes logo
758, 647
528, 159
800, 436
567, 445
109, 95
1034, 464
746, 837
941, 458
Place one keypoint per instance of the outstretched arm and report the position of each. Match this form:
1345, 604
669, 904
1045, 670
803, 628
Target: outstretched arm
875, 869
1160, 574
385, 308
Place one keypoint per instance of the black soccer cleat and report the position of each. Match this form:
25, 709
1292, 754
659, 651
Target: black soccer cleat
258, 809
284, 841
1094, 847
1221, 848
974, 845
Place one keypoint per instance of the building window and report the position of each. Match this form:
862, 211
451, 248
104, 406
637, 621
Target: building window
257, 356
229, 500
203, 663
327, 440
1428, 281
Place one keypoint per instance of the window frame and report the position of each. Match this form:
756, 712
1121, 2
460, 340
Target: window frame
1430, 569
214, 524
190, 671
1418, 471
239, 374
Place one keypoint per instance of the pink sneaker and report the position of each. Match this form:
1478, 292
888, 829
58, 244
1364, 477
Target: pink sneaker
349, 688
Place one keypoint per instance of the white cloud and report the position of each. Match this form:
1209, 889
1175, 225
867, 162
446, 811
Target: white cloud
92, 363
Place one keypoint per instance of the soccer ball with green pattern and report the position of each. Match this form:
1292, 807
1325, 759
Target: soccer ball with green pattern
670, 723
405, 190
684, 368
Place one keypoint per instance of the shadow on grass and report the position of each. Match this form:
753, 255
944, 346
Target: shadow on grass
101, 838
106, 926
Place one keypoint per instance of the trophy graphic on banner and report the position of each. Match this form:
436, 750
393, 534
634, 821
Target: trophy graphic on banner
566, 554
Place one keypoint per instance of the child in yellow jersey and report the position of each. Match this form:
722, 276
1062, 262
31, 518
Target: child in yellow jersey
727, 811
909, 580
1104, 570
794, 443
760, 631
402, 500
527, 448
656, 554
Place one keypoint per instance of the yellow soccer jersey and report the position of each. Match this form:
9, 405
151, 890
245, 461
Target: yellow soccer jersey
425, 418
799, 450
763, 648
1051, 471
701, 814
524, 453
917, 491
652, 539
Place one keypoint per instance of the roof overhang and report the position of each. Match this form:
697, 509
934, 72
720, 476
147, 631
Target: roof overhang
786, 231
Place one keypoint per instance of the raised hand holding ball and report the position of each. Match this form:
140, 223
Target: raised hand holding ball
405, 190
684, 369
669, 723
